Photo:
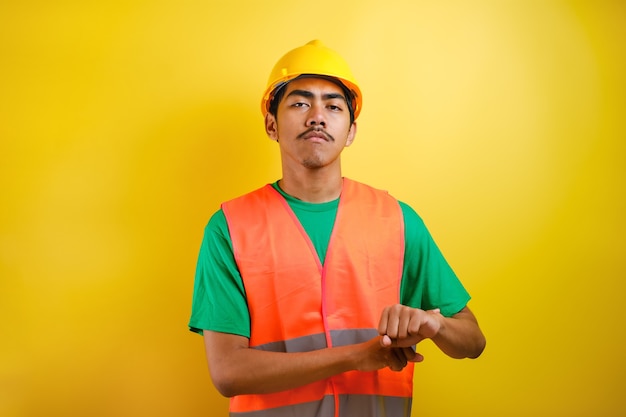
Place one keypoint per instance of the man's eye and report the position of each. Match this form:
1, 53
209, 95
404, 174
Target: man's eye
299, 104
334, 108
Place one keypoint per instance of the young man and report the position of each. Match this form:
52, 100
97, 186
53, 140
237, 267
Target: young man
313, 291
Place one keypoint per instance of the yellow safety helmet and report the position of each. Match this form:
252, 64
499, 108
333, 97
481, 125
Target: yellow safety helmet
316, 59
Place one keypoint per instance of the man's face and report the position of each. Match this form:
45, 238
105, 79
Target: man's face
312, 123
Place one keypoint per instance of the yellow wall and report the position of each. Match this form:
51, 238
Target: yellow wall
124, 124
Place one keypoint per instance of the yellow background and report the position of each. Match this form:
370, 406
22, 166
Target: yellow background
123, 125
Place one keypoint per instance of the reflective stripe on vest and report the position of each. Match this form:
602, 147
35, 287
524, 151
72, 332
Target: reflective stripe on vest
296, 305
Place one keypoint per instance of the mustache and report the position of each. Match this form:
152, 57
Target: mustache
316, 131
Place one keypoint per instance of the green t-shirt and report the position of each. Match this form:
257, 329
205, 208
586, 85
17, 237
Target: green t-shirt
219, 298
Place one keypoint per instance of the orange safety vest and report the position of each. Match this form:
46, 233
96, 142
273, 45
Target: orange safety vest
298, 305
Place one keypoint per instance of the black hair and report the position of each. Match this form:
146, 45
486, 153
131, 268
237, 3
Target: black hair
279, 93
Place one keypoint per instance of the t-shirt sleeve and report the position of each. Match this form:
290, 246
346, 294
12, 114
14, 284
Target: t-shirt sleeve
219, 300
428, 280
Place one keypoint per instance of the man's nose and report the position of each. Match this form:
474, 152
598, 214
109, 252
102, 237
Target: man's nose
316, 116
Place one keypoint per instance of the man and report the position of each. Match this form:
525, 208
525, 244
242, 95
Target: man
313, 291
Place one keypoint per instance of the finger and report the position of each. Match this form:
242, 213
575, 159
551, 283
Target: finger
393, 322
423, 322
417, 358
385, 341
415, 324
404, 321
408, 353
382, 323
398, 360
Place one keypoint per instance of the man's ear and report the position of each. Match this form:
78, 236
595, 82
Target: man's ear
351, 134
271, 126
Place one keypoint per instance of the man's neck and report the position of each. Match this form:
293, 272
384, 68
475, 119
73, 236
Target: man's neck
312, 188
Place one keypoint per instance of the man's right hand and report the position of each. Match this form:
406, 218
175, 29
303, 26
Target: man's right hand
379, 353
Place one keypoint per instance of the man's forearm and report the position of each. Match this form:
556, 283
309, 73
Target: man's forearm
460, 337
251, 371
237, 369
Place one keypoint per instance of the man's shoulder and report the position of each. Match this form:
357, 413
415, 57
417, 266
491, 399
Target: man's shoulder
250, 194
354, 183
363, 188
